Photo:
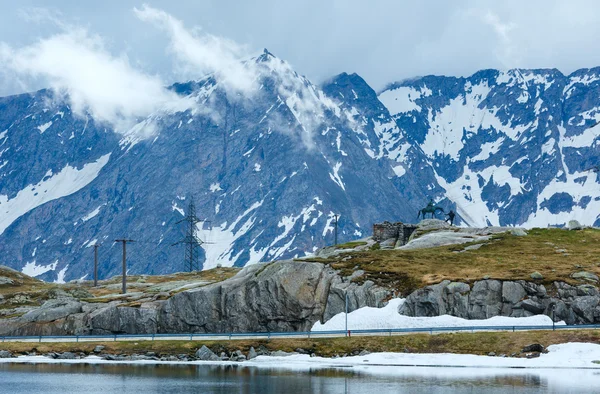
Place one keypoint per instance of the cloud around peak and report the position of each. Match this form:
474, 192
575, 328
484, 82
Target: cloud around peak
76, 64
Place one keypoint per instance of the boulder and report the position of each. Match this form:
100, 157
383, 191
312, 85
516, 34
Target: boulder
252, 353
536, 276
66, 356
574, 225
6, 281
205, 354
485, 299
5, 354
532, 306
52, 310
584, 308
98, 349
359, 296
512, 292
518, 232
583, 275
534, 347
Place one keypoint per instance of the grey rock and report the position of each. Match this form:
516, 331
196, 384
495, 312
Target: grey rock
252, 353
205, 354
66, 356
584, 308
534, 347
587, 290
280, 353
485, 299
532, 306
364, 353
98, 349
359, 296
574, 225
512, 292
262, 297
6, 281
536, 276
492, 354
5, 354
115, 319
583, 275
518, 232
53, 310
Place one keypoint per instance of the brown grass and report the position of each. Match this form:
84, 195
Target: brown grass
460, 343
505, 257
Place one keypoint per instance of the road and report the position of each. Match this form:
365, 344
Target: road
295, 335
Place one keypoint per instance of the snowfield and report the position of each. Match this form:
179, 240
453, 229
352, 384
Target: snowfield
368, 318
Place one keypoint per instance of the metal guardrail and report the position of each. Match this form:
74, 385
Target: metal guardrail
293, 334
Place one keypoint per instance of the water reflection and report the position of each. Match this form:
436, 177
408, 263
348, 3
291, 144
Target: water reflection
149, 379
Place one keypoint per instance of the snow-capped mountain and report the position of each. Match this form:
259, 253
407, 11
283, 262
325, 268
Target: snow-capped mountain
269, 168
268, 171
508, 148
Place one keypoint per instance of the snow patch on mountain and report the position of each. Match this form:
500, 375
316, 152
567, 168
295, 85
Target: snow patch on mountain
53, 186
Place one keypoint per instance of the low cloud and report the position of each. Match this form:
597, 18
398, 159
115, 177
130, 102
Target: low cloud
76, 64
200, 53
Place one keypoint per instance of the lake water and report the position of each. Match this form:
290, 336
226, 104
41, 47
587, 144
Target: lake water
164, 379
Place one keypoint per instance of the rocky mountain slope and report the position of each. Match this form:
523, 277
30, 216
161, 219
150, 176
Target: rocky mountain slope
268, 170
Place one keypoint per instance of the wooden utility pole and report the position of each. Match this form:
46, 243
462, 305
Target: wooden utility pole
96, 246
124, 242
335, 229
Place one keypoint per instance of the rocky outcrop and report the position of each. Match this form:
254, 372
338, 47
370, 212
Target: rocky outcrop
431, 233
281, 296
487, 298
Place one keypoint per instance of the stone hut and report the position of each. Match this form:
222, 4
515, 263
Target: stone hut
392, 234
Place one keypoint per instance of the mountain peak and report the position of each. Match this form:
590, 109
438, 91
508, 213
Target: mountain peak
265, 56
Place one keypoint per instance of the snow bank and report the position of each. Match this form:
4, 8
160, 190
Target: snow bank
568, 355
388, 317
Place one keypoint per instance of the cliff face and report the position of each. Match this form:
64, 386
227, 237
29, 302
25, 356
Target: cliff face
281, 296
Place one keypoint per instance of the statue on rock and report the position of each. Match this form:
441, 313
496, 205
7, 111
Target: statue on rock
430, 208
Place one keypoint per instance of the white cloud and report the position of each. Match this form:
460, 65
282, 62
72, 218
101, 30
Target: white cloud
202, 53
77, 65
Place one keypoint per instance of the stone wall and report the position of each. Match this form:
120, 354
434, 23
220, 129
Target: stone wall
392, 234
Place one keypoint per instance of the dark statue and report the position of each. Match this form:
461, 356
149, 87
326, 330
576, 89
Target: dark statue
430, 208
434, 209
450, 218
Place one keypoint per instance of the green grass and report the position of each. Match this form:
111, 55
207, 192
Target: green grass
505, 257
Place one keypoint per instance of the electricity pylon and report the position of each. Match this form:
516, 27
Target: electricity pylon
191, 241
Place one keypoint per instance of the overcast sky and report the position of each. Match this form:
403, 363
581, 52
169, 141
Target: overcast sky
383, 41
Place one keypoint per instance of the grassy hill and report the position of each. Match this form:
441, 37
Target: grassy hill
554, 253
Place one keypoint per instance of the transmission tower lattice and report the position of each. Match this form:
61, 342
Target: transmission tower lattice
191, 241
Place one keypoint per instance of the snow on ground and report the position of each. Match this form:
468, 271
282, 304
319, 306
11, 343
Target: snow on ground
68, 181
573, 356
402, 99
220, 240
44, 127
368, 318
567, 355
33, 270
